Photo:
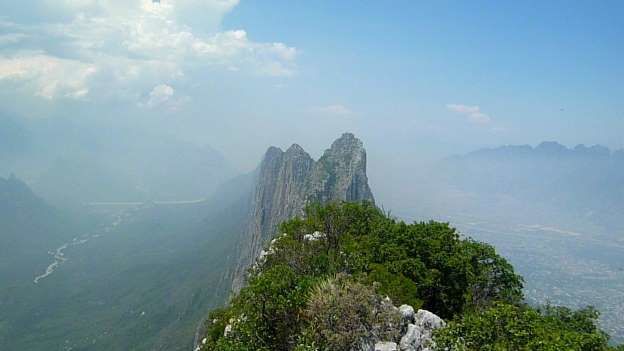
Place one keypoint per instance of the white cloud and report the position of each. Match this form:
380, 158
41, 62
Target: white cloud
159, 95
133, 45
50, 77
335, 109
473, 113
163, 96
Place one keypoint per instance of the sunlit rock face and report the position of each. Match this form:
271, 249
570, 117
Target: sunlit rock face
287, 180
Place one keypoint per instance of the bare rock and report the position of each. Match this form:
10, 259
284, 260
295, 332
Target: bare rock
419, 335
314, 236
407, 313
386, 346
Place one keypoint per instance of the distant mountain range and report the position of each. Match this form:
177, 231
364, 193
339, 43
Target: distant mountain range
586, 182
70, 162
549, 149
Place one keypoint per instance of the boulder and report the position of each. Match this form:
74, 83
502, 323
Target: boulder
314, 236
419, 335
386, 346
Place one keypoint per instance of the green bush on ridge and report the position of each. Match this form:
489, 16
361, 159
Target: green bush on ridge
319, 293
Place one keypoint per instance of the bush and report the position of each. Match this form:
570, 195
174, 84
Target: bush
511, 327
343, 314
266, 315
394, 285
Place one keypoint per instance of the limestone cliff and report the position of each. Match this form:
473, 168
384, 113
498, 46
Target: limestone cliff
287, 180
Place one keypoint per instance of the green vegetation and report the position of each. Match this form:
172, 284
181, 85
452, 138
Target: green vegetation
510, 327
144, 285
325, 292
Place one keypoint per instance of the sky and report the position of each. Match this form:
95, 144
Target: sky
414, 80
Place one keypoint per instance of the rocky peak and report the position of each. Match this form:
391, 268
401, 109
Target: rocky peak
346, 142
297, 150
287, 181
340, 174
272, 153
551, 147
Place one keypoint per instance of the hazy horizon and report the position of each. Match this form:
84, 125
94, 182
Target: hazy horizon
136, 125
411, 79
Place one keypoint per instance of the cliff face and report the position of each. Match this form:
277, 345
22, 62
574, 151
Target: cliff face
288, 180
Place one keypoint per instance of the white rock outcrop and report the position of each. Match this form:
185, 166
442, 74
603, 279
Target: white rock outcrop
415, 331
314, 236
407, 314
386, 346
419, 334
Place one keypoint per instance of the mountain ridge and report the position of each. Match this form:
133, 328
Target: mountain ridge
547, 148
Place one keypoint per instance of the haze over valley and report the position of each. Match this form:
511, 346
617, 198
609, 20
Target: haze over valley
150, 152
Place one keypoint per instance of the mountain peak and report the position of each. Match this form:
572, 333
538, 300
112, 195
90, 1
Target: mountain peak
594, 150
273, 151
296, 149
551, 147
347, 141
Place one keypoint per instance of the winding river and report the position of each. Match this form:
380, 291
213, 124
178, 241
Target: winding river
58, 255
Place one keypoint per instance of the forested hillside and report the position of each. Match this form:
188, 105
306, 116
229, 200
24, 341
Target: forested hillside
321, 284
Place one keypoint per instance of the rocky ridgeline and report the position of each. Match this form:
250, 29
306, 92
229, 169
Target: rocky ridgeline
287, 180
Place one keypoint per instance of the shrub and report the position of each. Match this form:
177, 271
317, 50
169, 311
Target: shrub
343, 314
267, 313
511, 327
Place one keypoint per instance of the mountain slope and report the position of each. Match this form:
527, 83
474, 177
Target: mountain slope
28, 229
142, 281
72, 160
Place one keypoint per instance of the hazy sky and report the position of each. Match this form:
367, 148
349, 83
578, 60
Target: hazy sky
413, 79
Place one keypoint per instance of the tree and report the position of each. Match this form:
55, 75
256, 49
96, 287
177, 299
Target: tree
511, 327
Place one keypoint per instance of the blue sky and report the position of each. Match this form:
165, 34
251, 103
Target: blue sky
413, 79
545, 70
